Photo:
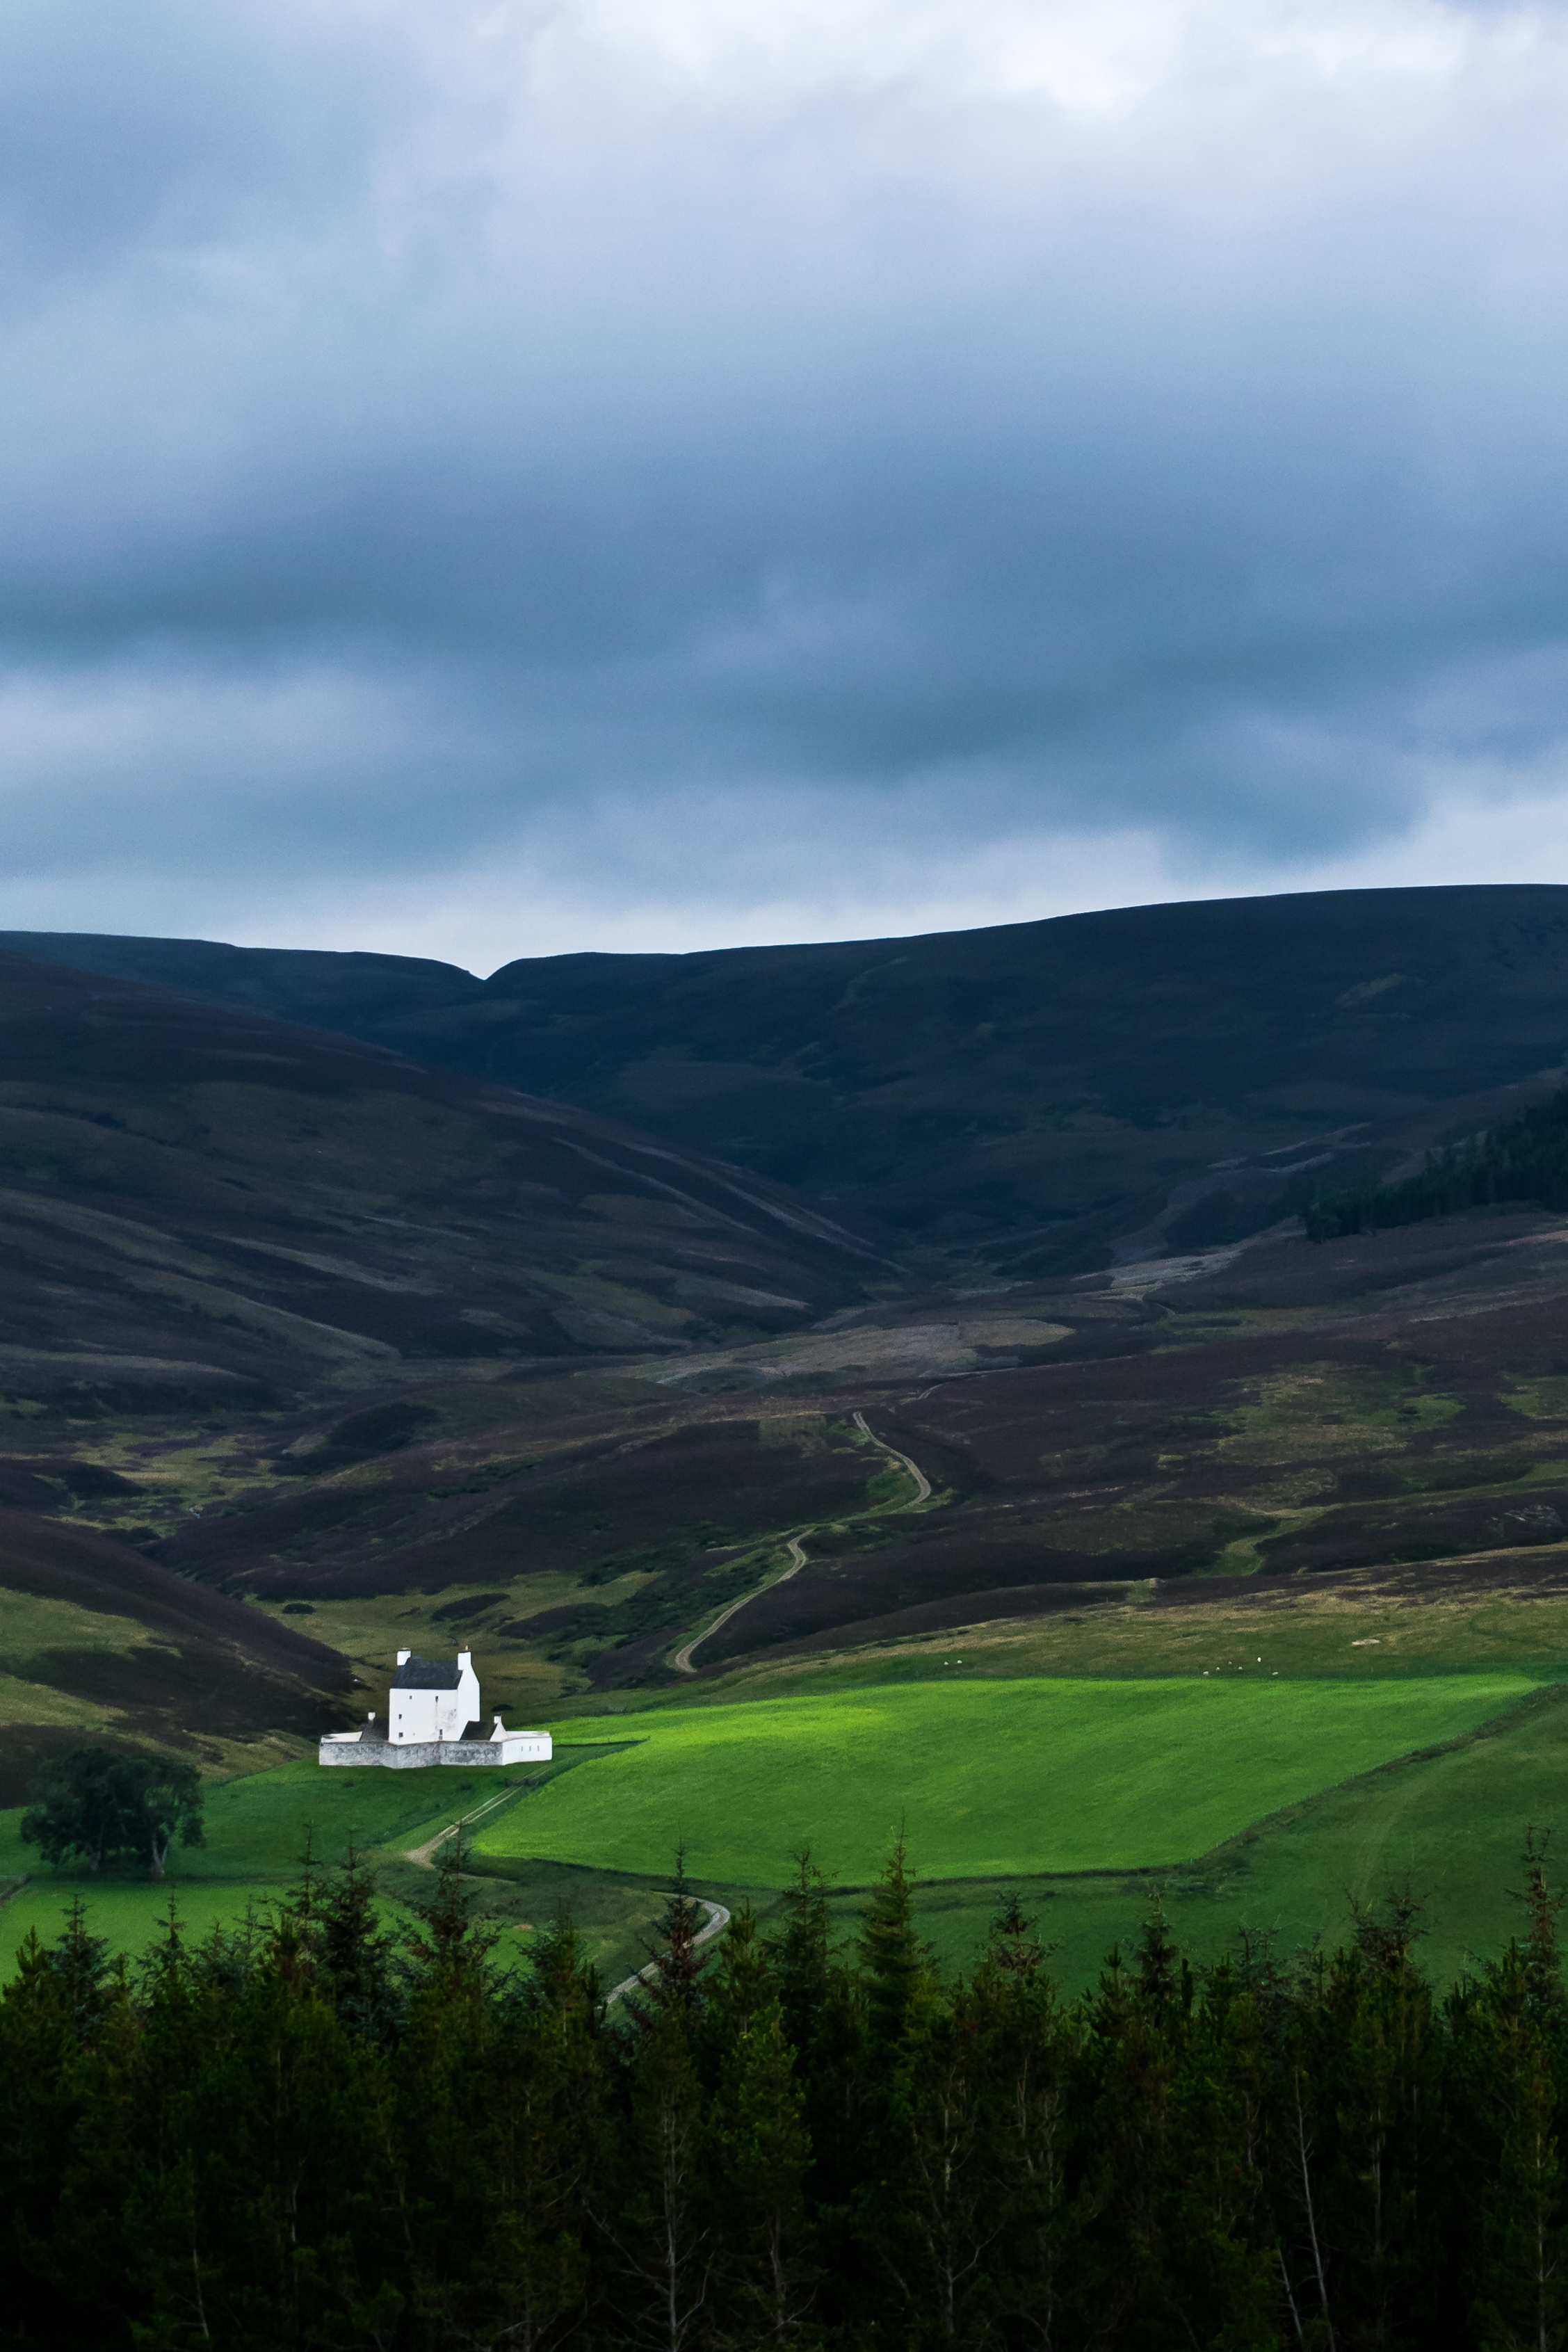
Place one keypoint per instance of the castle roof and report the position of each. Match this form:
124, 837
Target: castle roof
425, 1674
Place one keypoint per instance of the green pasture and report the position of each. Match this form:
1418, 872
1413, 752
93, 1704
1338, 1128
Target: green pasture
986, 1779
257, 1829
1450, 1827
1265, 1806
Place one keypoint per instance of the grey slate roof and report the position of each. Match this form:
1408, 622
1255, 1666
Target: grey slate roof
423, 1673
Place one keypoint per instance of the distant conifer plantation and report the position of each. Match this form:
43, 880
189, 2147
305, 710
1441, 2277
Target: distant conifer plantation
304, 2137
1525, 1159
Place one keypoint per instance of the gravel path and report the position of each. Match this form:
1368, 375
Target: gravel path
683, 1658
425, 1854
684, 1655
921, 1483
717, 1920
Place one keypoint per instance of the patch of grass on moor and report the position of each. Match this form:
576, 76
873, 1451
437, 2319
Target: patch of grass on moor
1351, 1634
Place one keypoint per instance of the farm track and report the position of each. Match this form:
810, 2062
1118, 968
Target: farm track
717, 1920
921, 1483
682, 1659
425, 1855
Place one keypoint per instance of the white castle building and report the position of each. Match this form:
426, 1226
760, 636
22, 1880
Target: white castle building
433, 1717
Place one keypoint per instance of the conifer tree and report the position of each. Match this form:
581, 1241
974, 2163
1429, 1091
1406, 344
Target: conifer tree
1369, 2077
539, 2142
823, 2007
1032, 2049
801, 1956
672, 1977
1507, 2036
355, 1954
660, 2219
890, 1951
448, 2047
81, 1961
764, 2273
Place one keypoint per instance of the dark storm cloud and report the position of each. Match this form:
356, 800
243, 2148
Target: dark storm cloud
443, 437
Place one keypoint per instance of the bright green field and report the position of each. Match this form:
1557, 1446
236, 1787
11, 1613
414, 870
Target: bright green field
1449, 1826
1008, 1779
987, 1780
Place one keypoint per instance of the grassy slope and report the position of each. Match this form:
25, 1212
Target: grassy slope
1452, 1821
258, 1828
1360, 1627
1015, 1776
1448, 1826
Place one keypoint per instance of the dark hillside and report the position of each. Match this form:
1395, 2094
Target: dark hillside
358, 995
1521, 1159
207, 1207
1028, 1095
102, 1643
1394, 1401
222, 1237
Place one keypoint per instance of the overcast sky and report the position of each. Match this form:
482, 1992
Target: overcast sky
483, 478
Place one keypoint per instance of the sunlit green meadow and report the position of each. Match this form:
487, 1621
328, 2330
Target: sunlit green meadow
984, 1779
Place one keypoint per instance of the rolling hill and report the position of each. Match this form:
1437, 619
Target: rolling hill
239, 1254
381, 1342
1383, 1413
198, 1199
102, 1644
1033, 1098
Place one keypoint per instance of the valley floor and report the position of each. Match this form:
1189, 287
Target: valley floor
1265, 1807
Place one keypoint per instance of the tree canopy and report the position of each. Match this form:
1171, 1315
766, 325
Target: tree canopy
102, 1806
1523, 1159
311, 2136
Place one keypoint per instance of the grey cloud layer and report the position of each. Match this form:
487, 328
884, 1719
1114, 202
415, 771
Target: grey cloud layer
432, 430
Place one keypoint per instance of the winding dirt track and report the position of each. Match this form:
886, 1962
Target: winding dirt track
921, 1483
682, 1659
717, 1920
717, 1917
425, 1854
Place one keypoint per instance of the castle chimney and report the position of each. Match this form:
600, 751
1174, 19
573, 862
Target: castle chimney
403, 1656
465, 1658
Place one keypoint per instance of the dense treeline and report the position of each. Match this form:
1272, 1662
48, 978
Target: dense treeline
302, 2136
1521, 1159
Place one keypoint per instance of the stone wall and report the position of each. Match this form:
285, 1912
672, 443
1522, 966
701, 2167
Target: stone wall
408, 1756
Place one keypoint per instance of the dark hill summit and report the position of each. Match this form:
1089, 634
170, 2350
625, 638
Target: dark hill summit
199, 1200
1035, 1097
